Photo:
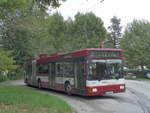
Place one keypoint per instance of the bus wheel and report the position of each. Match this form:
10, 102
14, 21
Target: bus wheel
68, 88
39, 84
27, 82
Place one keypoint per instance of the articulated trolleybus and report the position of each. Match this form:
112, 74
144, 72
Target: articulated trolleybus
88, 72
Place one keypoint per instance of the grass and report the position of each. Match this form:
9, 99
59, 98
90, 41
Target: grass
15, 99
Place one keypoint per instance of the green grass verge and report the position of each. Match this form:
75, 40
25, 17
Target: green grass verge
15, 99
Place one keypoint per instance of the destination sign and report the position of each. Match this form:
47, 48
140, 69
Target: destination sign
106, 54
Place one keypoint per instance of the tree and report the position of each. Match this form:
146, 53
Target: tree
22, 31
45, 3
136, 42
7, 62
27, 36
57, 33
115, 31
23, 27
19, 41
13, 5
88, 31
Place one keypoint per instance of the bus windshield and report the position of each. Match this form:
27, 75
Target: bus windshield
105, 69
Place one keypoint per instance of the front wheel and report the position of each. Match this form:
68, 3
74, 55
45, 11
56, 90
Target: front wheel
68, 88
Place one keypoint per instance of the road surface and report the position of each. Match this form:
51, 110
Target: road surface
136, 99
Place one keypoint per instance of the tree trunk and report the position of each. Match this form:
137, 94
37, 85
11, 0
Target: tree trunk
142, 67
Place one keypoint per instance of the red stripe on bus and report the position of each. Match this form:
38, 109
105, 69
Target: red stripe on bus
42, 75
45, 84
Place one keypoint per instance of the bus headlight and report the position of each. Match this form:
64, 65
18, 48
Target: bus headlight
122, 87
94, 89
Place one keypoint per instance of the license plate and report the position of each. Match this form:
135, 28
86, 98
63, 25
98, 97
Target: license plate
109, 92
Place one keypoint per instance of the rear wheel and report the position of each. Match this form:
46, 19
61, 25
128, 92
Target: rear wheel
68, 88
39, 84
27, 82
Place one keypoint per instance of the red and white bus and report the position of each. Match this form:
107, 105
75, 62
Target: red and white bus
88, 72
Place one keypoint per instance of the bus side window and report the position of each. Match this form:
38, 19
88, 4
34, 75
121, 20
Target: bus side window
68, 68
42, 69
80, 65
59, 69
45, 68
53, 68
29, 70
39, 68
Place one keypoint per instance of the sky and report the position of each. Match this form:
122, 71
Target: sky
126, 10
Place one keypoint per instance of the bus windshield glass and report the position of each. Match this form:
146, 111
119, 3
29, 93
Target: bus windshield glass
105, 69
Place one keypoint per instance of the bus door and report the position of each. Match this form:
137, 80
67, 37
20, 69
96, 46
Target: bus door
33, 77
80, 81
51, 76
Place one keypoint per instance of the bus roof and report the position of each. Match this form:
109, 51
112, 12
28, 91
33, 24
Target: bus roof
74, 54
99, 49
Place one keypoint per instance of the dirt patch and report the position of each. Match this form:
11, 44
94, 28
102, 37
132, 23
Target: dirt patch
23, 109
7, 108
4, 106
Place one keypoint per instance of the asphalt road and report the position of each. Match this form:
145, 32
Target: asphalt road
136, 99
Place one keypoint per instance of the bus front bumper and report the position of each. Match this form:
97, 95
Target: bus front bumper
105, 90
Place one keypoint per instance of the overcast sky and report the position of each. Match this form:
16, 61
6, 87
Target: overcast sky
127, 10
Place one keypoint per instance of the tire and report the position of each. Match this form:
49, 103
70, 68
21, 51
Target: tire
68, 88
39, 84
27, 82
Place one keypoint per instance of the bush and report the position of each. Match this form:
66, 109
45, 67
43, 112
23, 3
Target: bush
15, 75
7, 63
137, 73
3, 78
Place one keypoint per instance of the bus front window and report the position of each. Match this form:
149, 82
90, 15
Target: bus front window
104, 70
